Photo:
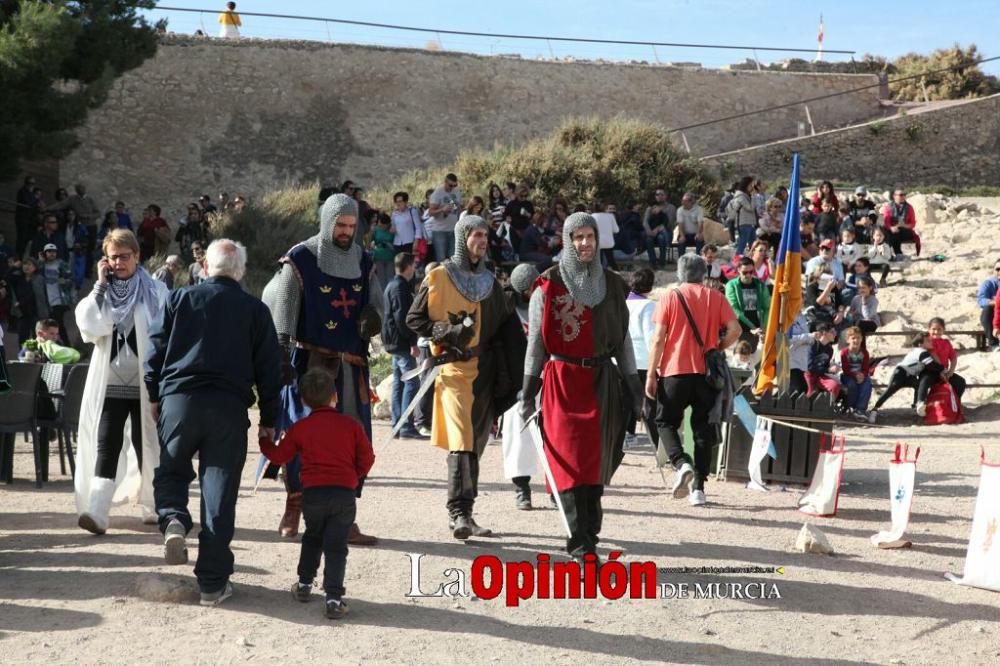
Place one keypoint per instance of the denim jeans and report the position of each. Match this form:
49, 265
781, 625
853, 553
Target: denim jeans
858, 395
329, 512
661, 241
746, 234
403, 392
444, 244
687, 240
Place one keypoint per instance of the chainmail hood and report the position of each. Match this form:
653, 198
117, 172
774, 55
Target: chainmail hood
473, 282
584, 280
522, 277
332, 259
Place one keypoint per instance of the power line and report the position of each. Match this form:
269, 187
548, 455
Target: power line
829, 95
588, 40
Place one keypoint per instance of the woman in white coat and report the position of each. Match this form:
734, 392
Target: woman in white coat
115, 463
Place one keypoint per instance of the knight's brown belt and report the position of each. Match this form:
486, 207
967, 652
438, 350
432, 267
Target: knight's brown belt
346, 357
592, 362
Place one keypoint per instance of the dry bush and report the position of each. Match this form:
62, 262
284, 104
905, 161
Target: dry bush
619, 160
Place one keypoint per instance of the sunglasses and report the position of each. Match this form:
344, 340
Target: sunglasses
746, 273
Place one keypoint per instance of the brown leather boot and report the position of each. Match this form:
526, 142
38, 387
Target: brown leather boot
289, 525
356, 538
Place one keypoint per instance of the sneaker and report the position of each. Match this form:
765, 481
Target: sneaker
412, 434
424, 430
697, 498
872, 416
336, 609
859, 416
682, 481
216, 598
175, 543
301, 591
921, 409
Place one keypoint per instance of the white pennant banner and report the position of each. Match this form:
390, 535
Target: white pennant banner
902, 476
982, 560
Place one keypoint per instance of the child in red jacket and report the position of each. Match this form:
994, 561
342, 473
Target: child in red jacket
335, 454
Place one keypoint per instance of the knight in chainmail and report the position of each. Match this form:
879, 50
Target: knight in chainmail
460, 307
327, 304
578, 334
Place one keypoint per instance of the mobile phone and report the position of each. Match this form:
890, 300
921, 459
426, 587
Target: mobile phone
110, 275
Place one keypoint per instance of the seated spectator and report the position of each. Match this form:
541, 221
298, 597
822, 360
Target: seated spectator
918, 370
900, 221
751, 302
769, 226
880, 254
861, 269
824, 194
855, 375
806, 238
827, 224
821, 375
714, 277
863, 309
862, 212
760, 254
743, 356
945, 354
986, 297
45, 347
535, 245
824, 304
827, 259
848, 250
691, 221
124, 220
658, 223
631, 236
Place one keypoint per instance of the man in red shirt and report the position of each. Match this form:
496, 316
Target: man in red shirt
335, 454
679, 379
150, 231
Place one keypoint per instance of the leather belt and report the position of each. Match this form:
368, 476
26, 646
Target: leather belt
451, 355
591, 362
346, 357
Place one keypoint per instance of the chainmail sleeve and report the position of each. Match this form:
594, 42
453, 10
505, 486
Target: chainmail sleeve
536, 355
625, 356
283, 297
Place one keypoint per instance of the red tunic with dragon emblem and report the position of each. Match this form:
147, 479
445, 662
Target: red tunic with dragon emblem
583, 413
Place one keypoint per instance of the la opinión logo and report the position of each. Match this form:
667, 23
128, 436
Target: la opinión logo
490, 577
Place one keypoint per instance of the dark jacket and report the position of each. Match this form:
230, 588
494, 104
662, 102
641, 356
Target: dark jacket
396, 335
215, 337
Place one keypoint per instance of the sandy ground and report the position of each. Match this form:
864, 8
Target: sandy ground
67, 596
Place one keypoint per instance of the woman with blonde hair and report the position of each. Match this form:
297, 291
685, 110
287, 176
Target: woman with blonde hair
115, 463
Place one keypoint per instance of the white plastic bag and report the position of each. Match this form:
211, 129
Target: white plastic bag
902, 475
982, 560
759, 451
824, 491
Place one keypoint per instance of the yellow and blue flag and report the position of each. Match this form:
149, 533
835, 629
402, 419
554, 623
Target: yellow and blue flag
787, 299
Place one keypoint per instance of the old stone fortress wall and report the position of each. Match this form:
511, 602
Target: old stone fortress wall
245, 116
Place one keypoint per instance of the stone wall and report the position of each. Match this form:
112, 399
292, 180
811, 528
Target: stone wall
208, 115
957, 145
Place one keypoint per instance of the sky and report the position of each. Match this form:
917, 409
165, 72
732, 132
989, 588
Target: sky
881, 27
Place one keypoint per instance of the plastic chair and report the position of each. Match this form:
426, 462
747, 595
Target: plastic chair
18, 414
69, 411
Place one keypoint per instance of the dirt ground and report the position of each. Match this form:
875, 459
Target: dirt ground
67, 596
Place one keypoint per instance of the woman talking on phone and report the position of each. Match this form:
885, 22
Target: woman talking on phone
115, 463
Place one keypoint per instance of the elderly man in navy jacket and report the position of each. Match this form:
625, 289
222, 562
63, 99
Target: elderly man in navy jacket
211, 345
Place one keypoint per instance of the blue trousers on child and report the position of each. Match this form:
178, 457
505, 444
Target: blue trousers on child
858, 394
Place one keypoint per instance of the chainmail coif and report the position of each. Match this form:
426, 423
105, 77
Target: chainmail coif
584, 280
473, 281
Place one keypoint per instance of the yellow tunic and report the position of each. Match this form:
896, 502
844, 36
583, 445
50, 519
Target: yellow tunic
454, 396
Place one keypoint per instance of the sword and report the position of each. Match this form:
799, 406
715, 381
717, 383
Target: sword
424, 387
536, 437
